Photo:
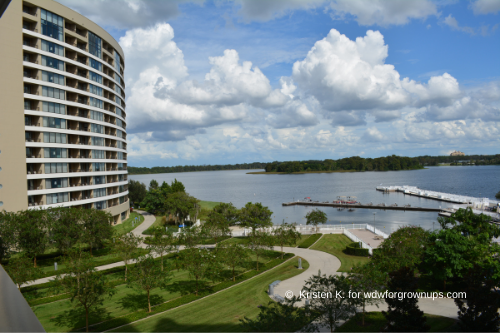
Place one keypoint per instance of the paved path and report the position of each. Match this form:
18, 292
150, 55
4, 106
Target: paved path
149, 219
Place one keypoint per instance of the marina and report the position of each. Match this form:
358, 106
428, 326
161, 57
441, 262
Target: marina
353, 206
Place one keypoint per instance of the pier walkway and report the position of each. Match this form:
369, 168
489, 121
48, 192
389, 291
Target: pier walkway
364, 206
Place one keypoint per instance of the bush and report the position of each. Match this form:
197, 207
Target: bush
355, 250
310, 241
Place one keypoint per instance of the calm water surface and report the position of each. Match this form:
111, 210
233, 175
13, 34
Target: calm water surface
272, 190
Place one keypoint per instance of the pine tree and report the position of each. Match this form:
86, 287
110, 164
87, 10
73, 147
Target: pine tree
403, 314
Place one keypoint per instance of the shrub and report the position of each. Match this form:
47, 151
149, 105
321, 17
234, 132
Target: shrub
355, 250
309, 241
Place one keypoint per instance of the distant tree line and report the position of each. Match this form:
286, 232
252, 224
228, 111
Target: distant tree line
192, 168
476, 159
354, 163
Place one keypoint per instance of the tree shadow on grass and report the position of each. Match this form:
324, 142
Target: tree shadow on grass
136, 301
75, 318
186, 287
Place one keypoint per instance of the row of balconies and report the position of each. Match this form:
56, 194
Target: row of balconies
39, 168
39, 184
74, 139
70, 53
38, 200
38, 152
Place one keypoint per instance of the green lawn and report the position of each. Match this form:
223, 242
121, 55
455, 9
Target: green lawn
157, 223
375, 322
335, 244
208, 204
126, 226
220, 312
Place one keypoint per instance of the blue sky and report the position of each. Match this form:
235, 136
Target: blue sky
217, 82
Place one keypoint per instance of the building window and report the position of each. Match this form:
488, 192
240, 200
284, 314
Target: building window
57, 198
96, 115
56, 168
52, 62
54, 122
96, 65
119, 112
98, 180
52, 48
54, 138
94, 45
124, 214
100, 205
98, 166
119, 134
95, 90
101, 192
120, 155
52, 78
117, 62
118, 100
55, 153
96, 77
56, 183
119, 144
54, 107
53, 92
97, 141
52, 25
96, 103
97, 128
120, 166
99, 154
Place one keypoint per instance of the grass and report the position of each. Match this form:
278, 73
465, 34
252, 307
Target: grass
309, 241
220, 312
375, 322
208, 204
335, 245
126, 226
158, 223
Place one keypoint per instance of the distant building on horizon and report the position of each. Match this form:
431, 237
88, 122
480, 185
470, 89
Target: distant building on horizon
457, 153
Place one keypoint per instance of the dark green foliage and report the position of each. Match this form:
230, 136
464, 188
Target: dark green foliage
285, 234
354, 163
192, 168
278, 317
216, 226
136, 190
310, 241
403, 314
316, 217
478, 311
153, 185
96, 228
229, 212
476, 159
21, 270
497, 195
255, 215
355, 250
67, 227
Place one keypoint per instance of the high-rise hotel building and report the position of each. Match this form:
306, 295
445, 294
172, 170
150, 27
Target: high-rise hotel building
62, 111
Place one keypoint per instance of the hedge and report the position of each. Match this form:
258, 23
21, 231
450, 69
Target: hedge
355, 250
309, 241
141, 314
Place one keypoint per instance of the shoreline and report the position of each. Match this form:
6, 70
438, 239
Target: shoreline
305, 172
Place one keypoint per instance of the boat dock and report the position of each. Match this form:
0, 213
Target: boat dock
359, 205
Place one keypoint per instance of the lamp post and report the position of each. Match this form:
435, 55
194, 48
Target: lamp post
374, 217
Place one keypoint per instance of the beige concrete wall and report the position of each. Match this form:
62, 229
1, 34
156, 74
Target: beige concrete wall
117, 210
72, 16
14, 191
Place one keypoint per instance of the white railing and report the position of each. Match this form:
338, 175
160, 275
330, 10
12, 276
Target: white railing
356, 239
376, 231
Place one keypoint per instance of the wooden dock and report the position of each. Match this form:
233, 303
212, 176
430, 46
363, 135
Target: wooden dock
361, 206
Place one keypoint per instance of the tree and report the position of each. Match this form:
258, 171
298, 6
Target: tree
190, 237
181, 204
31, 232
153, 185
147, 275
403, 314
8, 230
177, 186
89, 290
162, 242
404, 248
96, 227
21, 270
137, 190
233, 255
334, 308
497, 195
478, 308
316, 217
255, 216
366, 279
67, 227
278, 317
155, 201
126, 247
198, 261
261, 242
216, 226
229, 212
285, 234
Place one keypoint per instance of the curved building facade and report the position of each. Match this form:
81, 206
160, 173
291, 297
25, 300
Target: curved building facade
62, 111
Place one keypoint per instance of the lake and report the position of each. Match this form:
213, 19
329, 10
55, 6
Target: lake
272, 190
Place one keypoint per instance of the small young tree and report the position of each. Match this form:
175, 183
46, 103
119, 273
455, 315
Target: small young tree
261, 242
190, 237
479, 305
153, 184
89, 290
21, 270
216, 226
161, 243
147, 275
334, 308
403, 314
229, 212
126, 247
66, 226
255, 216
198, 261
233, 255
31, 232
366, 279
316, 217
96, 227
285, 234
